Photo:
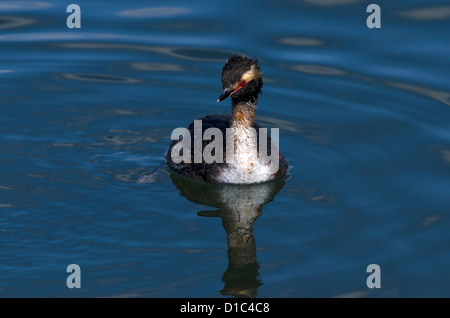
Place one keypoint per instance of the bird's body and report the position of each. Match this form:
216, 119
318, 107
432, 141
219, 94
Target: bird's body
242, 80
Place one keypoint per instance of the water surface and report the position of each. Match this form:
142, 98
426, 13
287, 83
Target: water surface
364, 124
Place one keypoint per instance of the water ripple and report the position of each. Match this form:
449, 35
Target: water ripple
446, 155
156, 67
332, 3
317, 69
432, 13
100, 78
154, 12
10, 22
301, 41
54, 36
187, 53
441, 96
23, 5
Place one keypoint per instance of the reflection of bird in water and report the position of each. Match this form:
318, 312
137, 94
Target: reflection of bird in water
238, 206
242, 81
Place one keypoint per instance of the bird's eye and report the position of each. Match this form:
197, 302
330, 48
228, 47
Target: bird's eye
241, 84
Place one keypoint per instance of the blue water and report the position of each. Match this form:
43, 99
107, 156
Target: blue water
364, 124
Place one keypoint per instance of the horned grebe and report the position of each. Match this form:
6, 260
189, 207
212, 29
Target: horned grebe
242, 81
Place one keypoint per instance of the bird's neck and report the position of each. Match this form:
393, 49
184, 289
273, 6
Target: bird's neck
243, 114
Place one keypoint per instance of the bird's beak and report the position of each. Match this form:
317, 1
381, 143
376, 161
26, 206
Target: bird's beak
226, 92
230, 91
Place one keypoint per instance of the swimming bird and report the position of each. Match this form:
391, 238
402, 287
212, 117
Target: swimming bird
242, 82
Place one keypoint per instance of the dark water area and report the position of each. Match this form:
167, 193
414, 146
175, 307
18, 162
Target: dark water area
363, 116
